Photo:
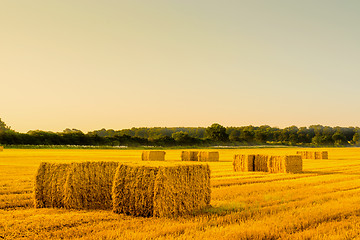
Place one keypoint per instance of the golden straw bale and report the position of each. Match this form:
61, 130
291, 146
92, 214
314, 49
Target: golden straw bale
153, 155
181, 190
276, 164
313, 154
189, 155
293, 163
133, 190
208, 156
261, 163
49, 185
185, 155
166, 190
89, 185
77, 185
324, 155
285, 164
243, 163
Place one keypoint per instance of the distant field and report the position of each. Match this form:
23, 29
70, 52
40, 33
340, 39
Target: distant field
323, 202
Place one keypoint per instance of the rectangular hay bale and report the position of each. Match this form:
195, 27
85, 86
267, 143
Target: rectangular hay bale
181, 190
153, 155
324, 155
293, 164
133, 190
189, 155
208, 156
84, 185
261, 163
313, 154
49, 185
243, 163
285, 164
163, 191
89, 185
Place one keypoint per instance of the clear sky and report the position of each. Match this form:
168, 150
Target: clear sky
91, 64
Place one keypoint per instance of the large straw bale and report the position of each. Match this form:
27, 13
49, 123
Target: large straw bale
153, 155
88, 185
1, 148
293, 163
78, 185
324, 155
189, 155
243, 163
276, 164
181, 190
208, 156
167, 190
261, 163
133, 190
285, 164
49, 185
268, 163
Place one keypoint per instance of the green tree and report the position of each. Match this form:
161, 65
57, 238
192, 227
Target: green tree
339, 139
234, 135
3, 127
180, 136
356, 138
216, 132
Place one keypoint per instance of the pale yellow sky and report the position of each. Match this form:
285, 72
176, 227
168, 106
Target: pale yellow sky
90, 64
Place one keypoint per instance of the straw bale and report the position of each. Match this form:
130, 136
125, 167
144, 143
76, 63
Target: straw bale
49, 185
1, 148
208, 156
89, 185
189, 155
133, 190
181, 190
167, 191
243, 163
293, 163
285, 164
276, 164
324, 155
261, 163
313, 154
153, 155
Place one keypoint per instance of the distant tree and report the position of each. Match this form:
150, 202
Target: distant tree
216, 132
339, 139
180, 136
356, 138
247, 134
260, 136
234, 135
3, 127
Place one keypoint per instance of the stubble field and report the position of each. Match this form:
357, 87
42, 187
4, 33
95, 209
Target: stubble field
323, 202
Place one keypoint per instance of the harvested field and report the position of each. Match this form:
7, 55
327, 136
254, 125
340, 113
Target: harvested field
322, 202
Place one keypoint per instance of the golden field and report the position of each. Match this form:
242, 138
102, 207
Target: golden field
323, 202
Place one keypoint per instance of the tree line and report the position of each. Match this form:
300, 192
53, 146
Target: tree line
216, 134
